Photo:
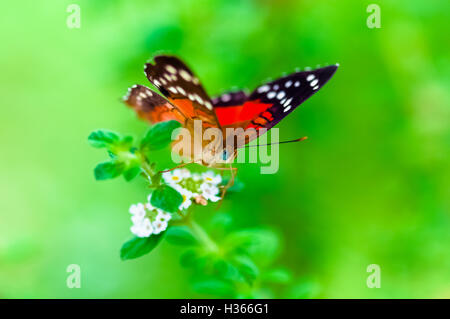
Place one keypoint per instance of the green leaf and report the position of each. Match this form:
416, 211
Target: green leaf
262, 245
138, 247
126, 141
214, 287
111, 154
103, 138
166, 198
180, 235
131, 173
159, 135
108, 170
191, 257
226, 270
278, 275
246, 268
198, 259
304, 289
222, 221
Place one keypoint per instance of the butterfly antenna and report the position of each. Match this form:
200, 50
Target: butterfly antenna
284, 142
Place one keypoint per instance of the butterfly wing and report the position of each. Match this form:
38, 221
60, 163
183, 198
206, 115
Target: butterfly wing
151, 106
268, 104
182, 88
228, 106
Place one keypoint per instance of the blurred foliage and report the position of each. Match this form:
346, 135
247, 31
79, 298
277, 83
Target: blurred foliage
371, 184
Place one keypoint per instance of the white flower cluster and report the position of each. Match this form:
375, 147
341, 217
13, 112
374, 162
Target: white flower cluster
200, 188
193, 186
148, 220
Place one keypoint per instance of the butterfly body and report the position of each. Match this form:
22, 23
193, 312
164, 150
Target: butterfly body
238, 117
199, 146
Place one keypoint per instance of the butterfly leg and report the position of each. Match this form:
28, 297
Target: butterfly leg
178, 166
230, 183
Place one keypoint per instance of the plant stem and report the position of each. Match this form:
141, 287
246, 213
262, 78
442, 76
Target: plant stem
203, 236
147, 169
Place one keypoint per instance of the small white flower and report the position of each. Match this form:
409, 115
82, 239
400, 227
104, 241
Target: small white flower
159, 226
138, 212
210, 177
149, 206
137, 219
143, 229
176, 175
169, 178
186, 194
210, 192
137, 209
183, 172
186, 203
163, 217
136, 229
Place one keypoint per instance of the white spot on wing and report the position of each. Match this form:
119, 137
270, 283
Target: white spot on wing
271, 95
226, 98
281, 95
263, 88
185, 75
288, 83
171, 69
208, 105
287, 102
181, 90
310, 77
172, 89
198, 98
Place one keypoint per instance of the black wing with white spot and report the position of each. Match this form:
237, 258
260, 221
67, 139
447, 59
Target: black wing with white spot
183, 89
235, 98
150, 106
283, 95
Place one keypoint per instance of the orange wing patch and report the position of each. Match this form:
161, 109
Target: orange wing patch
151, 106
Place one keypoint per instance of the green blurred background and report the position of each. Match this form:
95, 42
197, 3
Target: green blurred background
370, 186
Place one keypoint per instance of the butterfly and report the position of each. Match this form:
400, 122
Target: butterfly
185, 100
